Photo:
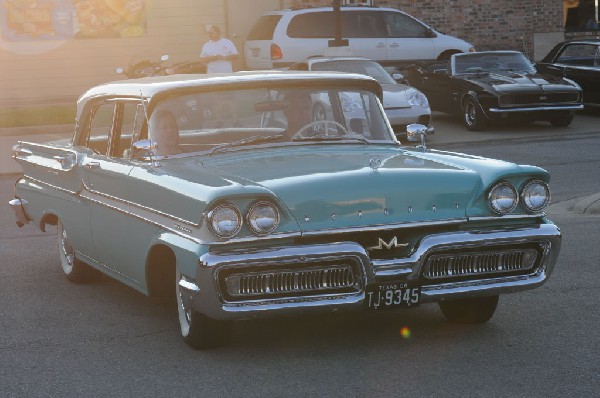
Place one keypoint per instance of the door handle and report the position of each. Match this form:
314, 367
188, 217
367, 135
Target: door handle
92, 165
380, 45
394, 45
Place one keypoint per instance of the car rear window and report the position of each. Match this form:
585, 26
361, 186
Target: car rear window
263, 28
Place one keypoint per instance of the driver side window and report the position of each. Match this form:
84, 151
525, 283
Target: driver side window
100, 128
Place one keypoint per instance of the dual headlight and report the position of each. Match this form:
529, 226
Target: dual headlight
504, 198
226, 220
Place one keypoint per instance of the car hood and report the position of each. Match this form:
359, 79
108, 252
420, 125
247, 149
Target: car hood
342, 186
521, 82
394, 96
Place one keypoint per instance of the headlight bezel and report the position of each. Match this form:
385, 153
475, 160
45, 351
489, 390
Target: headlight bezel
215, 211
417, 98
496, 209
251, 224
527, 187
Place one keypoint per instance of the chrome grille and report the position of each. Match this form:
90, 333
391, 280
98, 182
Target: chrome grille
538, 99
285, 282
469, 264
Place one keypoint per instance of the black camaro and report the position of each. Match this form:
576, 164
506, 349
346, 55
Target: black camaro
491, 86
578, 60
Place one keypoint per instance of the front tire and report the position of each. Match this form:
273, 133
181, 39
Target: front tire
473, 117
198, 331
473, 310
562, 119
75, 270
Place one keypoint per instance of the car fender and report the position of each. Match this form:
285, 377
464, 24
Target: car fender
472, 94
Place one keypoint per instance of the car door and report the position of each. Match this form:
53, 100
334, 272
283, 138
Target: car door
407, 38
365, 34
115, 233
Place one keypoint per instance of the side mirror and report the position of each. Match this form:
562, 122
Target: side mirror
143, 148
416, 133
399, 78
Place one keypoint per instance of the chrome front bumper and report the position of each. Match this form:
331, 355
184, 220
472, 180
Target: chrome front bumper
537, 109
208, 293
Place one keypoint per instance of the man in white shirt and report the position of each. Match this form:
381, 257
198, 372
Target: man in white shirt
218, 53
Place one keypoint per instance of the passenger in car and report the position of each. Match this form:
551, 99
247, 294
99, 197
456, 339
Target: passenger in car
298, 110
165, 132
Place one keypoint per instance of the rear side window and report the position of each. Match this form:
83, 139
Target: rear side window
400, 25
360, 24
312, 25
263, 28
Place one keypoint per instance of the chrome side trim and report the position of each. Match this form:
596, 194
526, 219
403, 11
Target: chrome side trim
540, 108
145, 208
97, 264
40, 182
508, 217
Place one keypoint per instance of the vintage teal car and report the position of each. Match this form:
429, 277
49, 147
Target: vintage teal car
221, 192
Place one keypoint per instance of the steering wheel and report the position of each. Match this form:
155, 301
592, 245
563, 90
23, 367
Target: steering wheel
310, 126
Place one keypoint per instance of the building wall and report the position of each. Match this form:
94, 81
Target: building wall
59, 71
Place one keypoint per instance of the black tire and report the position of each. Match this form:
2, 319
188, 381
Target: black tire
471, 310
562, 119
473, 116
75, 270
199, 331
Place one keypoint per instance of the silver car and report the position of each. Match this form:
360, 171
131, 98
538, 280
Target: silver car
402, 103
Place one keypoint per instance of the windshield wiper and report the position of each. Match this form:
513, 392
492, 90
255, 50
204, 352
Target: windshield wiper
244, 141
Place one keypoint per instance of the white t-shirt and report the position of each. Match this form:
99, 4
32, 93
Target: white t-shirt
220, 47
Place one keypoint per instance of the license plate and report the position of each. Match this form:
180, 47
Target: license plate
392, 295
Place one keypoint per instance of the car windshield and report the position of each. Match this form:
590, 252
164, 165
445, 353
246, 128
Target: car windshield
215, 121
364, 67
491, 62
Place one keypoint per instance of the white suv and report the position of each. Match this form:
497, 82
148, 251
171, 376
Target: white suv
280, 38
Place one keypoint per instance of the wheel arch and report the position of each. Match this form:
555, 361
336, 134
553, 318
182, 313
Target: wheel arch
160, 269
446, 54
167, 254
49, 218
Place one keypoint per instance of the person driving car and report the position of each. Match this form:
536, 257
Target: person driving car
298, 111
165, 133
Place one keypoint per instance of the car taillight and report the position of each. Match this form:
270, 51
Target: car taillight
276, 52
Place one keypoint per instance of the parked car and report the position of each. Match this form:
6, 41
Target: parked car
151, 64
238, 220
280, 38
578, 60
403, 104
492, 86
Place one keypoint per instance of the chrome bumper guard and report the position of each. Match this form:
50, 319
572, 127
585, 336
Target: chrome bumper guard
293, 280
19, 209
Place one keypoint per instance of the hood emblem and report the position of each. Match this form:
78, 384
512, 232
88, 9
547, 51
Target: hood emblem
392, 245
375, 163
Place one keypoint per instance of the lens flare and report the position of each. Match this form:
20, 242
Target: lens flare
405, 332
